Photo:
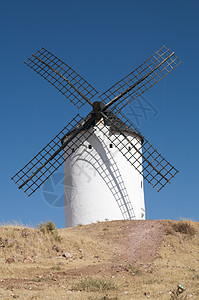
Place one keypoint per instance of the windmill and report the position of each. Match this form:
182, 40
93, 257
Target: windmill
105, 156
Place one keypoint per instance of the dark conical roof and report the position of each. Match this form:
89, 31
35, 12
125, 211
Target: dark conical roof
113, 119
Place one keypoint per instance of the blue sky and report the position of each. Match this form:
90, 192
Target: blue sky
103, 41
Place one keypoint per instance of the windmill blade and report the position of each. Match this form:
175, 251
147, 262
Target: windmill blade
141, 79
143, 156
52, 156
61, 76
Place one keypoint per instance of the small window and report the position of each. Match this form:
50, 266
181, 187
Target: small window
111, 146
89, 146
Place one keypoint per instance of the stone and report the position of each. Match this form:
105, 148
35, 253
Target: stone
24, 233
54, 247
9, 242
28, 260
147, 294
67, 255
10, 260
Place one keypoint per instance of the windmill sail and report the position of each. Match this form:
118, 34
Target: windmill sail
143, 156
52, 156
140, 80
62, 77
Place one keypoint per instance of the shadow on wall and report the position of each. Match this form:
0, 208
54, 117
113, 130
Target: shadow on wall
101, 160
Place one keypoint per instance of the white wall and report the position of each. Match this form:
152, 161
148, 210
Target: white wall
100, 183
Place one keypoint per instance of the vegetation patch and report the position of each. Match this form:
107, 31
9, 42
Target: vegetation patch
133, 269
50, 228
91, 284
100, 264
183, 227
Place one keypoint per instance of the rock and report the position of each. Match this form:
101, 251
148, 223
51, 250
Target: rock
10, 260
147, 294
28, 260
61, 263
9, 242
24, 233
67, 255
54, 247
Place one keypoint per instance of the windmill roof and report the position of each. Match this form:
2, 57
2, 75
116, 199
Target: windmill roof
113, 118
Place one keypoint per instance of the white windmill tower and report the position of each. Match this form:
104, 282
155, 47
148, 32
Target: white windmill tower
100, 183
105, 157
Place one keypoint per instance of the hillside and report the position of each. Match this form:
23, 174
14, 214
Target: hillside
108, 260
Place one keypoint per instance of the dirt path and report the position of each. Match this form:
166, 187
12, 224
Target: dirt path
142, 241
130, 242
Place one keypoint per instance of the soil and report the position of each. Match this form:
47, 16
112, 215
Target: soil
143, 258
134, 242
131, 242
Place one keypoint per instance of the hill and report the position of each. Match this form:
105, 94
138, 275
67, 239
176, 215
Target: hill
107, 260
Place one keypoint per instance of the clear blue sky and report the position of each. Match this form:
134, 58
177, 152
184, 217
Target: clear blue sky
103, 41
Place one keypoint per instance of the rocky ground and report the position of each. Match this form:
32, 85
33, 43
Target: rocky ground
107, 260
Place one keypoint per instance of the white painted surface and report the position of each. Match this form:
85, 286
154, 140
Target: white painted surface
100, 183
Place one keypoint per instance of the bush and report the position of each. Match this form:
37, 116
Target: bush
50, 228
47, 227
94, 284
184, 227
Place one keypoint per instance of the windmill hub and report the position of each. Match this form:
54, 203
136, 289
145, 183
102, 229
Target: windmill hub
97, 109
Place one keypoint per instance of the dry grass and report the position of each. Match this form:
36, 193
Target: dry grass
50, 228
19, 242
185, 227
133, 269
53, 276
94, 284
